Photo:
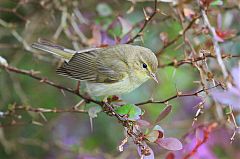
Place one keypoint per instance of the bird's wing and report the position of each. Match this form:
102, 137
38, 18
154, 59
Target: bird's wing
88, 66
110, 70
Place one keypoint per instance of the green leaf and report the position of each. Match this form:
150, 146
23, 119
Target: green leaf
116, 31
217, 3
131, 111
227, 110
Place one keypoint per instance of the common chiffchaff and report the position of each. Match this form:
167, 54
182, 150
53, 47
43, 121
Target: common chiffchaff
107, 71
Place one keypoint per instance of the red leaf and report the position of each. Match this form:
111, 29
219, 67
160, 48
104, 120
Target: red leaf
170, 156
224, 34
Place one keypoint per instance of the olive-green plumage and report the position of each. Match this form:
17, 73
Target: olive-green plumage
107, 71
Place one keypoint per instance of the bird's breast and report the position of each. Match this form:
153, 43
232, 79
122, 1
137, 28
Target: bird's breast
126, 85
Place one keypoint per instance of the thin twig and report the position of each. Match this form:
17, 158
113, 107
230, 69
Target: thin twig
45, 110
146, 22
178, 95
34, 75
159, 52
191, 61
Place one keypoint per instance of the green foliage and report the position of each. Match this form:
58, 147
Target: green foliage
130, 110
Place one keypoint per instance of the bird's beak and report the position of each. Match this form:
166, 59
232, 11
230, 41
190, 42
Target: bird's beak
154, 77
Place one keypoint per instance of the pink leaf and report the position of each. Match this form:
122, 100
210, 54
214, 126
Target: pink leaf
143, 123
229, 97
164, 113
170, 143
96, 39
219, 21
236, 76
126, 25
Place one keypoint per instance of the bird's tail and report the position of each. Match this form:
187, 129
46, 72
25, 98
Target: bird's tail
54, 49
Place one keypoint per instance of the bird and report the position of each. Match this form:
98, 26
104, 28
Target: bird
107, 71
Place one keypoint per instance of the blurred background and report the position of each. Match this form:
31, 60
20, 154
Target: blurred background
83, 24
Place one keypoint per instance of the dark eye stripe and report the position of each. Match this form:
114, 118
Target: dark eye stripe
144, 65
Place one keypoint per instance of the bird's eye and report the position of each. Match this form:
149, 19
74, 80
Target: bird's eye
144, 65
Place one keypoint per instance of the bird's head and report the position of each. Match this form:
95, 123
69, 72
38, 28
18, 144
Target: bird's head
146, 64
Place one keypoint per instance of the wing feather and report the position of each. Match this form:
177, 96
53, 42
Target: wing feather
89, 67
81, 66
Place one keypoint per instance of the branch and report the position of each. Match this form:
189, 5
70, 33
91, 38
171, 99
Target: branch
14, 11
215, 42
178, 95
191, 61
33, 74
42, 110
146, 22
107, 107
181, 33
136, 137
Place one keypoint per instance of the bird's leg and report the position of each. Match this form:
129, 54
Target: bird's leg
78, 87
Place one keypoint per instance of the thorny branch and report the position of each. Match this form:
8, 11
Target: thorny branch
107, 107
13, 108
159, 52
191, 61
178, 95
41, 110
146, 22
219, 56
33, 74
214, 40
